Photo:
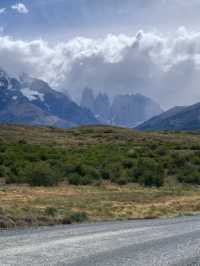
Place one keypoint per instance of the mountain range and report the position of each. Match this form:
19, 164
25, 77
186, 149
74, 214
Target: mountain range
32, 101
124, 110
177, 118
27, 100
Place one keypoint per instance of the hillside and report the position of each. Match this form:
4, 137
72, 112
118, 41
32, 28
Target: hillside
177, 118
87, 135
51, 176
91, 154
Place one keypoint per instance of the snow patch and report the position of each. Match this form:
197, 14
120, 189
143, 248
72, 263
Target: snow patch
32, 95
2, 84
14, 98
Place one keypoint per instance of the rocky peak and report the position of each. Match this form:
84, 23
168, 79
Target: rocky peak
130, 110
102, 107
88, 99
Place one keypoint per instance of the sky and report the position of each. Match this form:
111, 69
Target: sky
131, 46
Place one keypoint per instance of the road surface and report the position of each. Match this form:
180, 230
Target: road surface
148, 242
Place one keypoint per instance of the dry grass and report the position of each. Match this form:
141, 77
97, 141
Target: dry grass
86, 135
25, 206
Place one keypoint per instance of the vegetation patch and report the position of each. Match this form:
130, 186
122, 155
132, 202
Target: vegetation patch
96, 172
91, 155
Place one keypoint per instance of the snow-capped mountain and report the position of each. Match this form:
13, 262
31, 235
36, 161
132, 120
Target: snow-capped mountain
42, 95
32, 101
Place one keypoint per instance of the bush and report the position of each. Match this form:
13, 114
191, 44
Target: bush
70, 168
74, 179
161, 151
122, 181
148, 173
195, 160
178, 160
22, 141
78, 217
87, 180
105, 174
92, 172
132, 153
75, 217
50, 211
189, 176
151, 178
42, 175
115, 171
127, 163
3, 171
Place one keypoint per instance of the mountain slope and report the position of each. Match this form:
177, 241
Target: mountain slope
34, 102
58, 104
178, 118
130, 110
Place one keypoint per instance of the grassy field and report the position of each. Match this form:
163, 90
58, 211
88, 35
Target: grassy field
26, 206
54, 176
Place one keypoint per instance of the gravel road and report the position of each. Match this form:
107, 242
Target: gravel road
147, 242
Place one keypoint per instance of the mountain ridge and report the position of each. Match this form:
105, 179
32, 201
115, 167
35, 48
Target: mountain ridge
32, 101
177, 118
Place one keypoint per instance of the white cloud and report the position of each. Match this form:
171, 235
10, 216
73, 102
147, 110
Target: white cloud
21, 8
2, 10
166, 68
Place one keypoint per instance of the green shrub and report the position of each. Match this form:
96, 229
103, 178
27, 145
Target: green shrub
132, 153
42, 175
189, 176
127, 163
87, 180
122, 181
105, 174
2, 147
115, 172
22, 141
74, 179
151, 178
71, 168
161, 151
148, 172
3, 171
78, 217
178, 160
75, 217
50, 211
195, 160
92, 172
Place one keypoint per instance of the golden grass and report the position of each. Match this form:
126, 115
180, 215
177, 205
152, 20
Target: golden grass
23, 205
87, 135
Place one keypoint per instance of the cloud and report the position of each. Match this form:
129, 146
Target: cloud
2, 10
165, 67
20, 7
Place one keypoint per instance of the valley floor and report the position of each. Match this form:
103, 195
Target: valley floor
28, 206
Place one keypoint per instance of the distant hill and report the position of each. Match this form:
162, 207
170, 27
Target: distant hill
177, 118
